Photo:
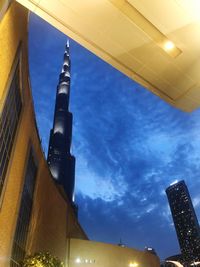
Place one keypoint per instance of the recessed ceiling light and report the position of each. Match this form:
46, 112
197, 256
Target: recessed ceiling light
169, 45
129, 9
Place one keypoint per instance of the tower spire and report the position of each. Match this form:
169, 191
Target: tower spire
67, 45
60, 160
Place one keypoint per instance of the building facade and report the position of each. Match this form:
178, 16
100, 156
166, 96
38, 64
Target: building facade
91, 253
185, 221
35, 213
60, 160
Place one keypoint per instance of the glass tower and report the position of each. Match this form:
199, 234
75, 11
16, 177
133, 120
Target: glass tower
185, 221
60, 160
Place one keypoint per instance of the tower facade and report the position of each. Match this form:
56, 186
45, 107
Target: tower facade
185, 221
60, 160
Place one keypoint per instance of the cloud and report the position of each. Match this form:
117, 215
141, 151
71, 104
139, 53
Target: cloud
196, 202
93, 185
166, 213
151, 208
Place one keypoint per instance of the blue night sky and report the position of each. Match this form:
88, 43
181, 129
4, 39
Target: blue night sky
128, 143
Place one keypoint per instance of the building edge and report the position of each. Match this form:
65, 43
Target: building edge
52, 220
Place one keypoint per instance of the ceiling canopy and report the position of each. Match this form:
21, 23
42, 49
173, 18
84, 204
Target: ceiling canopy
156, 43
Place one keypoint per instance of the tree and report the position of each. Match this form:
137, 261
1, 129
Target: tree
42, 259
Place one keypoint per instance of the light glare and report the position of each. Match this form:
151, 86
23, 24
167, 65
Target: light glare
169, 45
133, 264
78, 260
174, 182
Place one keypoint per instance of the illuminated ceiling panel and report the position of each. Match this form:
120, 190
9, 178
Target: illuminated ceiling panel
156, 43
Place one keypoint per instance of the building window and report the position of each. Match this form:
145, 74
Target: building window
9, 118
21, 232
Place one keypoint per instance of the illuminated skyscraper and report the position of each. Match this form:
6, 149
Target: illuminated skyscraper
185, 221
60, 160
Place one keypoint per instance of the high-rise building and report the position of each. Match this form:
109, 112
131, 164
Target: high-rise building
185, 221
60, 160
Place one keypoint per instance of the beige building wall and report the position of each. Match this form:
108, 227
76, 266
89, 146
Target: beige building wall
88, 253
53, 219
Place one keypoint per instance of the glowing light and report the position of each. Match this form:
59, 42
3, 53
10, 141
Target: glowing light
176, 263
169, 45
65, 65
67, 74
58, 128
174, 182
73, 197
78, 260
66, 83
133, 264
54, 172
63, 90
195, 263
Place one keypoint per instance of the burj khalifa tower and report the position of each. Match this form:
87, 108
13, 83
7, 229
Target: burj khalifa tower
60, 160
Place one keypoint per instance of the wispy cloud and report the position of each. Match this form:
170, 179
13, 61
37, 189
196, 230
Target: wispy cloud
196, 201
93, 185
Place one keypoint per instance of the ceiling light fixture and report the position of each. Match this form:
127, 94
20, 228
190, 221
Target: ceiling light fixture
169, 45
127, 7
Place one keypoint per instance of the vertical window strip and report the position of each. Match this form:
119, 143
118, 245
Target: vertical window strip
21, 233
9, 118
